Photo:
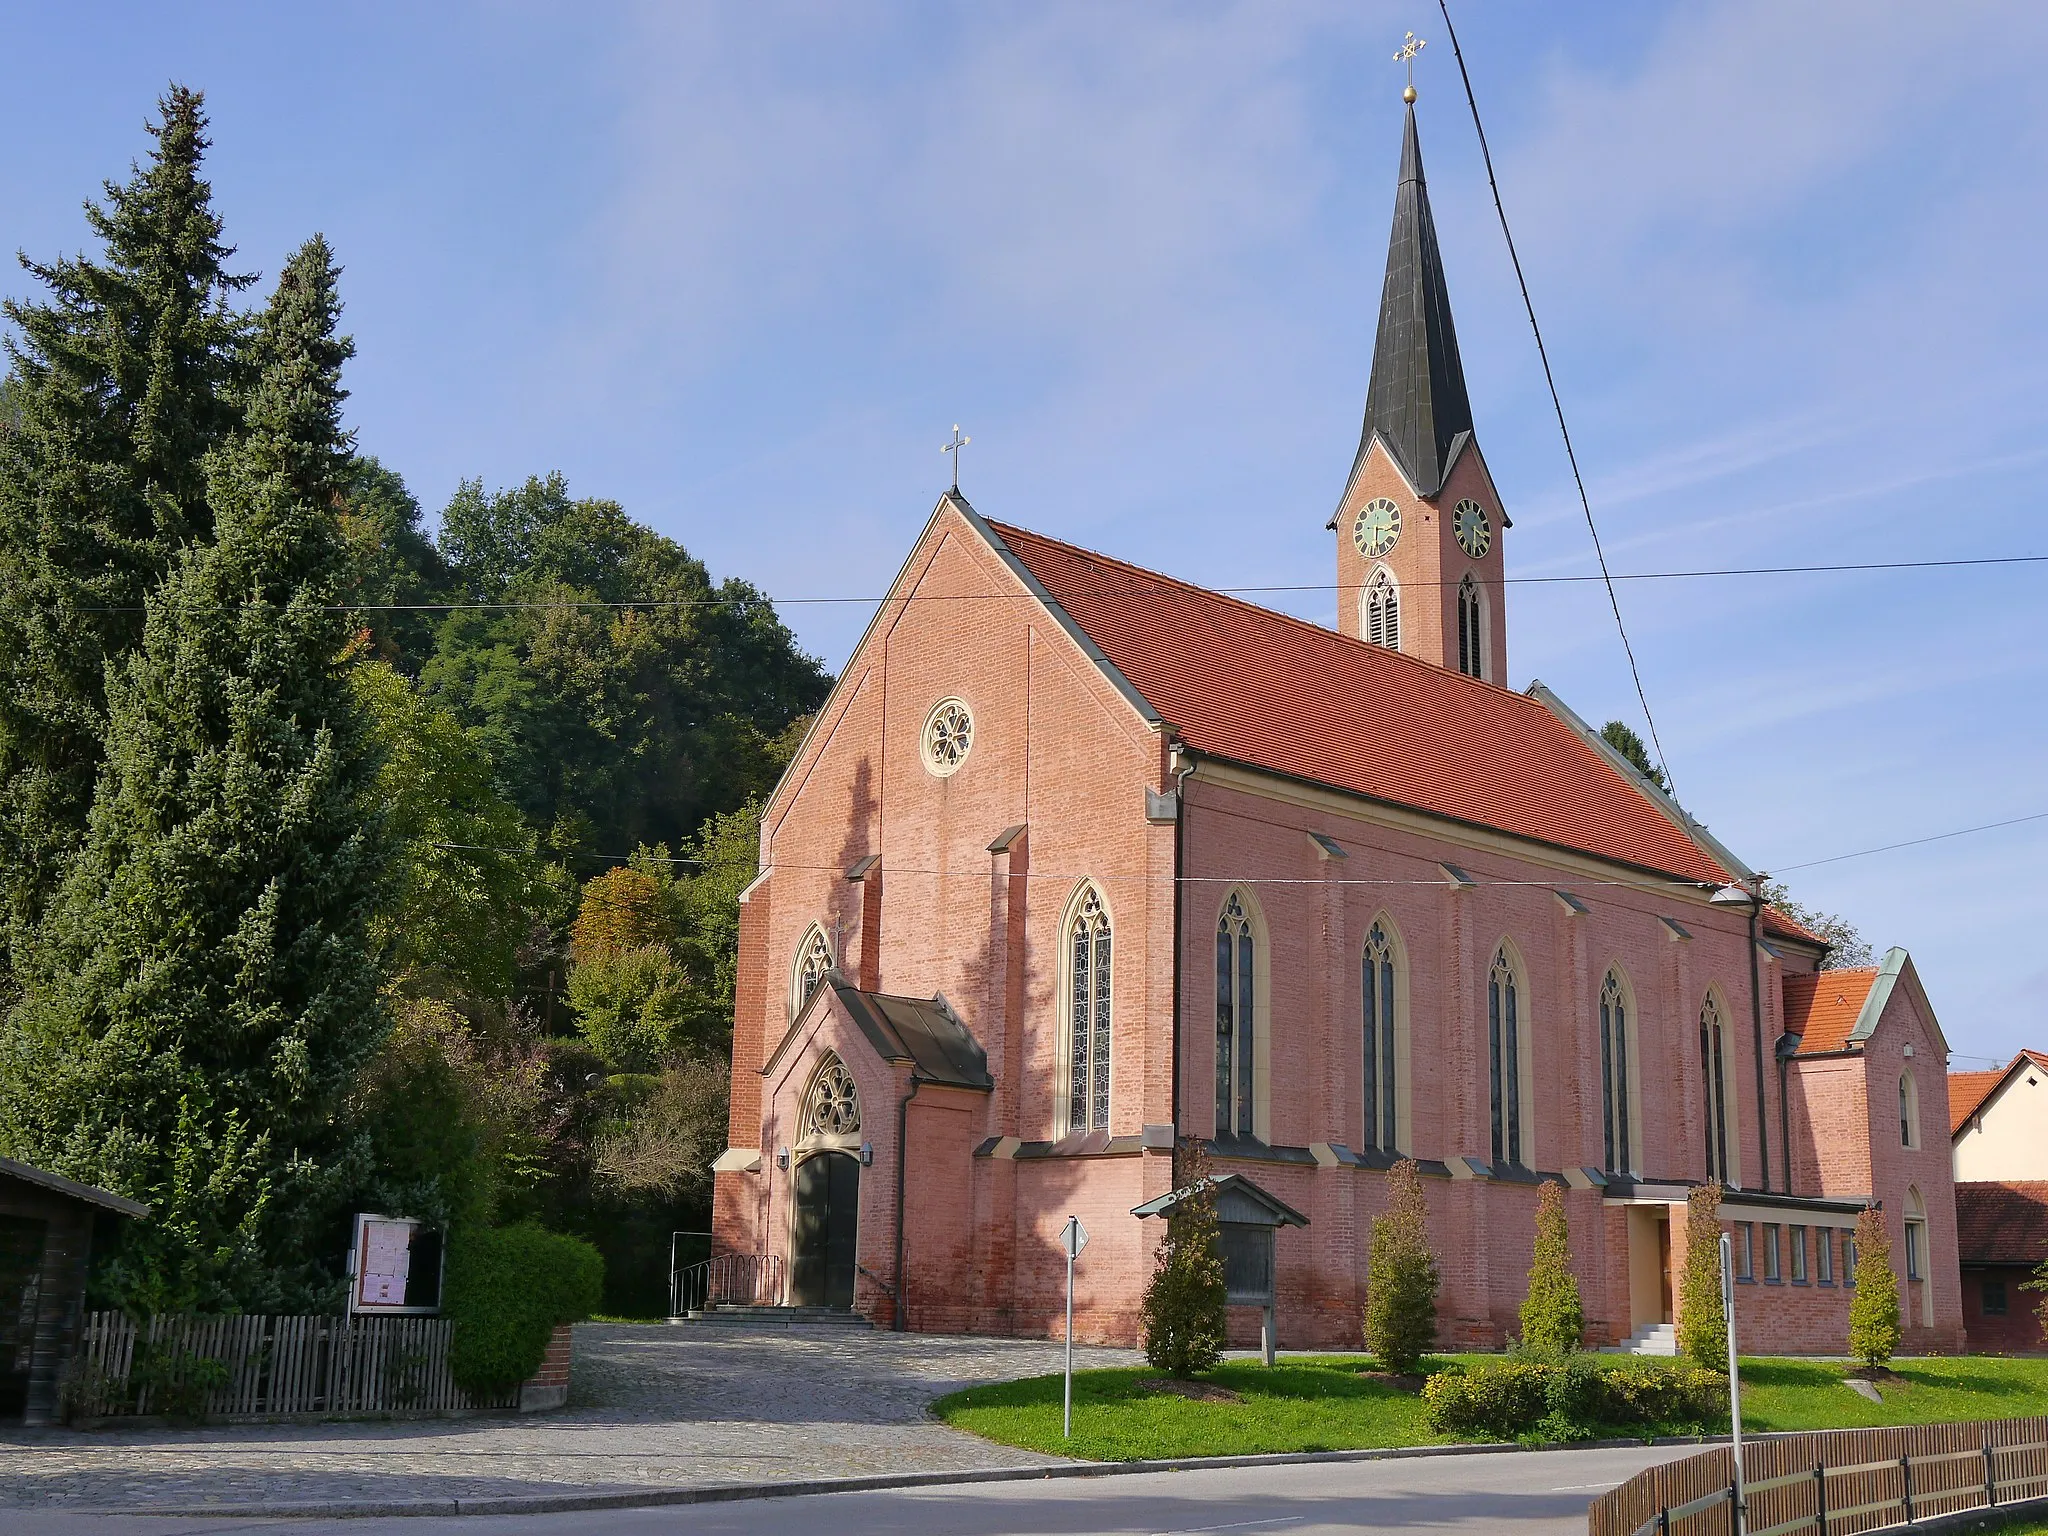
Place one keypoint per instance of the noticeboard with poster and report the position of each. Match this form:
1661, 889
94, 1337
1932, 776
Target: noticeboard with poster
394, 1267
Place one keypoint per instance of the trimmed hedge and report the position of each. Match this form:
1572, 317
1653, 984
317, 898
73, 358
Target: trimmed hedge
1571, 1399
506, 1289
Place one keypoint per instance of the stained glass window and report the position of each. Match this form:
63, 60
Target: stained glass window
1614, 1090
1088, 944
1381, 1129
1236, 1013
1504, 1076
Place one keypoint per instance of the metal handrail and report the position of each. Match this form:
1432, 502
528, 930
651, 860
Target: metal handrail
726, 1279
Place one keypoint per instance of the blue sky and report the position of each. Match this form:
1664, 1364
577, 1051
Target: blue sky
742, 267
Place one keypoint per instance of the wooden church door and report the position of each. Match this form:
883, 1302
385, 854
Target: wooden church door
827, 1224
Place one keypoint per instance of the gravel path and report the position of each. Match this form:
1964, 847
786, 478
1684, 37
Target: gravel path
650, 1406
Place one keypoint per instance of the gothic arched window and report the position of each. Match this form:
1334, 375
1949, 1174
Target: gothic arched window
1716, 1078
1504, 1024
1382, 1099
1382, 624
1471, 637
813, 960
1909, 1111
1615, 1106
1088, 989
1236, 1016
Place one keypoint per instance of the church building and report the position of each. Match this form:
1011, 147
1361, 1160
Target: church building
1079, 859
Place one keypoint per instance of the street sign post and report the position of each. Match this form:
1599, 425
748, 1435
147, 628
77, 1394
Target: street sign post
1741, 1521
1073, 1238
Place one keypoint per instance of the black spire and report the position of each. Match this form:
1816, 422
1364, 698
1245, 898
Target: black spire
1416, 402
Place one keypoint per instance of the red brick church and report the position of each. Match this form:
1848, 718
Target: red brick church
1079, 858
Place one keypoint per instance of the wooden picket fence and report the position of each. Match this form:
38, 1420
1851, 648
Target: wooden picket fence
268, 1367
1835, 1482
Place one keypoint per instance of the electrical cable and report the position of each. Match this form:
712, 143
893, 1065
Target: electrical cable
1556, 401
869, 600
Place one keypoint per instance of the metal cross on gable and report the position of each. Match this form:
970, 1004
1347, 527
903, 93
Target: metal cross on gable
954, 448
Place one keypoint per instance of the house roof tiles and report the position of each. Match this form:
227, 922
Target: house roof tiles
1968, 1091
1821, 1008
2002, 1223
1260, 688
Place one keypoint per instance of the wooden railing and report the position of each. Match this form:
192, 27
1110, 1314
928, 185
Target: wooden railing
744, 1279
1835, 1482
265, 1367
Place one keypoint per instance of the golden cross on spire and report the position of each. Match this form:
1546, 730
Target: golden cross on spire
1409, 49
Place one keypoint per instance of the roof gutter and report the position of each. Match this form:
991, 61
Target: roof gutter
1180, 833
1756, 1014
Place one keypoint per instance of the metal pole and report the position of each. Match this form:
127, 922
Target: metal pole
1067, 1392
1737, 1520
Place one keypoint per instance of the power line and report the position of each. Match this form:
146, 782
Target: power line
1637, 884
871, 600
1557, 403
1914, 842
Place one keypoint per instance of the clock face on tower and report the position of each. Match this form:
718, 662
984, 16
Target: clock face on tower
1474, 532
1378, 528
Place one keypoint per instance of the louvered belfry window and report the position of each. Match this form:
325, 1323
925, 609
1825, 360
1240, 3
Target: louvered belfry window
1470, 648
1383, 610
1378, 979
1236, 1013
1088, 943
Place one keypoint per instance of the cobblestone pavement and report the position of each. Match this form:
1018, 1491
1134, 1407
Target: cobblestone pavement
650, 1406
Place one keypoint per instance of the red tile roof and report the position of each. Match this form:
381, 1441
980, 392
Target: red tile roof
1822, 1008
1788, 927
1275, 692
2002, 1223
1967, 1091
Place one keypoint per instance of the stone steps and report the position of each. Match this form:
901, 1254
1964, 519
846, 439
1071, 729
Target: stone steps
774, 1319
1650, 1339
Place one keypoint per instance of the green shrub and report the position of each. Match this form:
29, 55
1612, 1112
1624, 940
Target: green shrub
1401, 1276
1552, 1315
1502, 1399
1184, 1308
506, 1289
1874, 1311
1702, 1326
1572, 1399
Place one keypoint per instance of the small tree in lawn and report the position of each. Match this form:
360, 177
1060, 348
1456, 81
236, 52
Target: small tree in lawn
1552, 1314
1184, 1301
1874, 1312
1401, 1276
1702, 1325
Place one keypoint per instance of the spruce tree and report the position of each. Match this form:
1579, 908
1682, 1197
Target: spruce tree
1553, 1316
1874, 1310
203, 987
124, 379
1401, 1276
1185, 1300
1702, 1324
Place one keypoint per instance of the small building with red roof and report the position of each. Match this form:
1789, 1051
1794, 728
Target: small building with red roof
1082, 864
1998, 1126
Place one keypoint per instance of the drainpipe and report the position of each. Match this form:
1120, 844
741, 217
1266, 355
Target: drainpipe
1180, 823
1756, 1009
902, 1161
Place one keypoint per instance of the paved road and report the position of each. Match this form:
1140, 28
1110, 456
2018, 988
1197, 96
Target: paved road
651, 1407
1515, 1493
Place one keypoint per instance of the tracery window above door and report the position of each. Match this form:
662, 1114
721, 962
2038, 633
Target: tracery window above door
813, 960
832, 1107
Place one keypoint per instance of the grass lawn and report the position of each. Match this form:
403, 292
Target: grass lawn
1320, 1403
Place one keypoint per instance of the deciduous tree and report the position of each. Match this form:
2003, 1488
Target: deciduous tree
1184, 1307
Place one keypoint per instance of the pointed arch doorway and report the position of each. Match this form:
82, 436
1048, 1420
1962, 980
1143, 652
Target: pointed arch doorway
827, 1229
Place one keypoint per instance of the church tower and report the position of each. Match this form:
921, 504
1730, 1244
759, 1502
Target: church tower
1419, 564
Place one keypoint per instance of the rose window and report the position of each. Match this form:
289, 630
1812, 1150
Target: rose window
834, 1107
948, 734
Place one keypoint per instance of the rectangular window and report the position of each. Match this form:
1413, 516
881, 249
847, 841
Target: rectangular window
1798, 1236
1772, 1233
1745, 1250
1848, 1259
1994, 1297
1916, 1240
1824, 1253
